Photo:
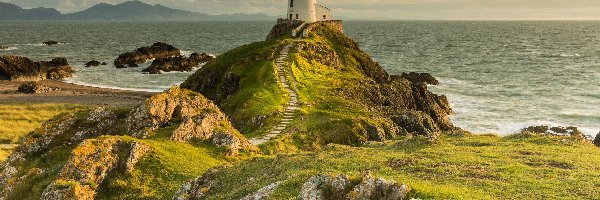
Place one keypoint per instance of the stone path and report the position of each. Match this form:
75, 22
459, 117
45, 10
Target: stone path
292, 103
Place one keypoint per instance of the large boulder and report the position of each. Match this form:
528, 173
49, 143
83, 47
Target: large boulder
18, 68
597, 140
323, 187
178, 63
143, 54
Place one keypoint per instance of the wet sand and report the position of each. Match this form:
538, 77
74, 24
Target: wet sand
71, 94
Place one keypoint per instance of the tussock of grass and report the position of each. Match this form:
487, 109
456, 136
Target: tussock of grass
469, 167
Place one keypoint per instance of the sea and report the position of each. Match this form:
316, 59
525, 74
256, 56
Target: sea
500, 76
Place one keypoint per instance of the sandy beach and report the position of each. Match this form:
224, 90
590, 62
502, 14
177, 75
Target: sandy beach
71, 94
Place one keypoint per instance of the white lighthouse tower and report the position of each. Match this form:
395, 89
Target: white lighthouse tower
308, 11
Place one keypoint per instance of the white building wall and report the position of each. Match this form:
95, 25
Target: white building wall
304, 10
323, 13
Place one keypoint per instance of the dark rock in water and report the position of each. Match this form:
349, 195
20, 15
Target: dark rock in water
35, 88
92, 63
597, 140
143, 54
420, 78
177, 63
104, 63
562, 131
3, 47
17, 68
52, 42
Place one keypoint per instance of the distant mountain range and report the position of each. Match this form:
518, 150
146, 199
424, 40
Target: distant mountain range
131, 10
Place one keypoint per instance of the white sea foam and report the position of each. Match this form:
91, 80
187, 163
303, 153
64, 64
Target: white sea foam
186, 53
9, 49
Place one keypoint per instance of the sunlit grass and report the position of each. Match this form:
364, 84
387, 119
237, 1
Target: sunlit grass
17, 120
455, 167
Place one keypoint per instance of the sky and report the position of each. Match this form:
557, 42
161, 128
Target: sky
374, 9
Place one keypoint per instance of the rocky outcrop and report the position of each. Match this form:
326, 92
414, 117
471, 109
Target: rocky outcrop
199, 117
17, 68
343, 187
178, 63
89, 164
3, 47
52, 42
143, 54
420, 78
570, 131
283, 28
35, 88
597, 140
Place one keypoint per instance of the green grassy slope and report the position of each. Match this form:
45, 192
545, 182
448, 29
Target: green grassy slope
455, 167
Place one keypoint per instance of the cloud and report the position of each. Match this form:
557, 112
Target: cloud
394, 9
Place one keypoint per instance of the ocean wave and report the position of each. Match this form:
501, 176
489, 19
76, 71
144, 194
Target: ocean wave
562, 55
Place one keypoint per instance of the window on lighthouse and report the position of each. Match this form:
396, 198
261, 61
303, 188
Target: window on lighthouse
291, 3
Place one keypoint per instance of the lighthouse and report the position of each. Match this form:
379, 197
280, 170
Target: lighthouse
308, 11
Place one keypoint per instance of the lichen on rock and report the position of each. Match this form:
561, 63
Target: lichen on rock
89, 164
343, 187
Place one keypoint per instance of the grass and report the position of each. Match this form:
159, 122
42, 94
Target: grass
244, 85
455, 167
16, 120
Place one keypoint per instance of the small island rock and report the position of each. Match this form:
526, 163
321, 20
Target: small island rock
92, 63
143, 54
52, 42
